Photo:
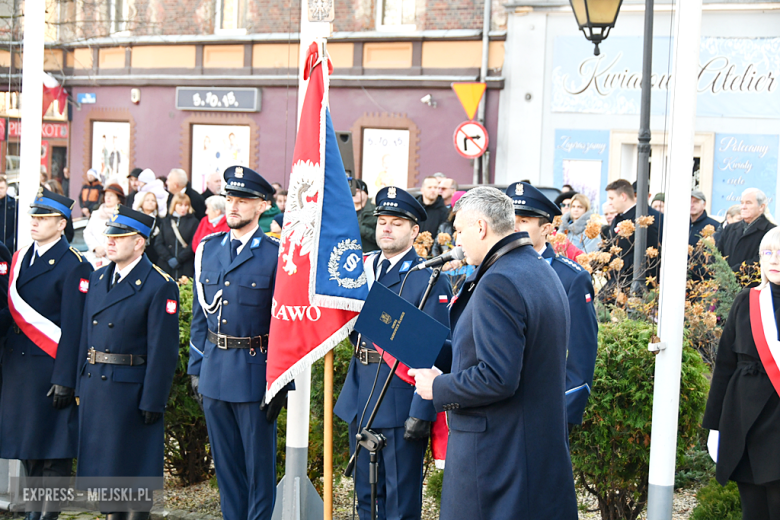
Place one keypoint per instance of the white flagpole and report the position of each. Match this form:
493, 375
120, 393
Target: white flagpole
674, 254
296, 498
32, 100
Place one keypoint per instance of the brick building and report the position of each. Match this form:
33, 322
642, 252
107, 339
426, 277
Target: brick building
151, 77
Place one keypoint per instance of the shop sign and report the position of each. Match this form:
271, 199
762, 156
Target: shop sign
2, 128
582, 161
48, 130
218, 99
738, 77
743, 161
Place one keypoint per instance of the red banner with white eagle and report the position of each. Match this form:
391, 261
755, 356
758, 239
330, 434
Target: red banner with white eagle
320, 284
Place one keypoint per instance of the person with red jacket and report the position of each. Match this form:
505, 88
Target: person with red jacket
213, 222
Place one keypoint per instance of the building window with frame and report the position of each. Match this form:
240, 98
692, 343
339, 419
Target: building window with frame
395, 15
231, 16
118, 13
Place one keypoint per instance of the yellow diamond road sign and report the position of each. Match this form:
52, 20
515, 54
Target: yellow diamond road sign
470, 95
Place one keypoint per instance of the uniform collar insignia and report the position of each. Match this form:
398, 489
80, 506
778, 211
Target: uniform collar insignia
255, 243
406, 266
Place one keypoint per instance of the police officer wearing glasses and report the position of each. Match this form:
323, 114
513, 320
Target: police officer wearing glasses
231, 317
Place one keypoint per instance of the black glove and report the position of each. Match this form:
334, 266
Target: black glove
195, 382
151, 417
416, 429
63, 396
274, 408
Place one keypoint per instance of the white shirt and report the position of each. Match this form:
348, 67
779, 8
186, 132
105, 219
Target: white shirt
124, 272
397, 258
244, 239
39, 250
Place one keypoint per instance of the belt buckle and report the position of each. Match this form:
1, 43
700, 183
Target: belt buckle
92, 356
363, 356
222, 342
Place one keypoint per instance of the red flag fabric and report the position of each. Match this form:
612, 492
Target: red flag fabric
320, 284
53, 90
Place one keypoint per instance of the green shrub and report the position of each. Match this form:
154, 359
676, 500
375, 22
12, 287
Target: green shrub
611, 450
716, 502
695, 467
187, 453
435, 482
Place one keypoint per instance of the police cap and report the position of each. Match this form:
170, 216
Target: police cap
242, 182
398, 203
125, 222
530, 202
50, 204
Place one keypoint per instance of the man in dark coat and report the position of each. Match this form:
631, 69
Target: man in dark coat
623, 199
366, 218
534, 214
128, 355
403, 418
507, 456
232, 298
740, 240
178, 182
699, 217
434, 206
7, 216
132, 182
47, 289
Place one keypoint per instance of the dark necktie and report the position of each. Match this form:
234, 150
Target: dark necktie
234, 245
116, 281
384, 266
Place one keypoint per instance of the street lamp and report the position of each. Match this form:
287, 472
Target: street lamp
596, 18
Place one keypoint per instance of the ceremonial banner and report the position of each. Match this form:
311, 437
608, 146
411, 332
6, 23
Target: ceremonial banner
320, 283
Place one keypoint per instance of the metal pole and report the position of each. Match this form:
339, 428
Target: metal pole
327, 460
643, 164
480, 164
668, 363
32, 100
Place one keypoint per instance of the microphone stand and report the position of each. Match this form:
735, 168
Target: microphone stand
367, 438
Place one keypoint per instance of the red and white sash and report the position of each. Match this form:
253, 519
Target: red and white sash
762, 323
39, 329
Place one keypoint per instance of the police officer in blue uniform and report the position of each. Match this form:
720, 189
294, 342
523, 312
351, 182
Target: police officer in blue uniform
534, 214
231, 317
128, 355
403, 418
38, 416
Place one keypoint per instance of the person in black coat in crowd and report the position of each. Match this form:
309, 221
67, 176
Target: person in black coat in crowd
172, 245
8, 216
132, 183
178, 183
743, 408
739, 241
434, 206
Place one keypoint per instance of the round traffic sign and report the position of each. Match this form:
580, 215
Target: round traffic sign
471, 139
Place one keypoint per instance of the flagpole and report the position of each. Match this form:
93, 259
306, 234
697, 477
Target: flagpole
327, 488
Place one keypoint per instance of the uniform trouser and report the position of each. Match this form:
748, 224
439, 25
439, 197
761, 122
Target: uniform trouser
399, 486
760, 501
46, 468
243, 443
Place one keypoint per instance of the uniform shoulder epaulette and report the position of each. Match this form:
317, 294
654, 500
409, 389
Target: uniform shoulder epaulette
168, 278
274, 240
212, 235
76, 252
570, 263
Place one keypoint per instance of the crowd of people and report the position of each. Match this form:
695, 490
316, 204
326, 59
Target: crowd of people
504, 378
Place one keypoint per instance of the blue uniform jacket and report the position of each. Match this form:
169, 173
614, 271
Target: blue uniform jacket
138, 316
238, 296
53, 287
583, 332
401, 402
507, 455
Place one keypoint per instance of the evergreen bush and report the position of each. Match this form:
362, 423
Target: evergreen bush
716, 502
611, 450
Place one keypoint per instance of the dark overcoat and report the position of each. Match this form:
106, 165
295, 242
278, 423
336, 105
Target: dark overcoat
166, 244
401, 401
247, 287
739, 241
743, 405
507, 456
138, 316
583, 333
55, 287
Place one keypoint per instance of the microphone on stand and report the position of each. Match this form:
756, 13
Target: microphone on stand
436, 261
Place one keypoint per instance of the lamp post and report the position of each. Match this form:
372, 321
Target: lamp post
595, 18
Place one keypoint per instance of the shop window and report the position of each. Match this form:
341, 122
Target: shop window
395, 15
231, 17
387, 150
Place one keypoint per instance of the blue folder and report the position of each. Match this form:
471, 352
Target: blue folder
400, 328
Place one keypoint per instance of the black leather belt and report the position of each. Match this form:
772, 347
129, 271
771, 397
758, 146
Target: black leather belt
368, 355
225, 342
93, 357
